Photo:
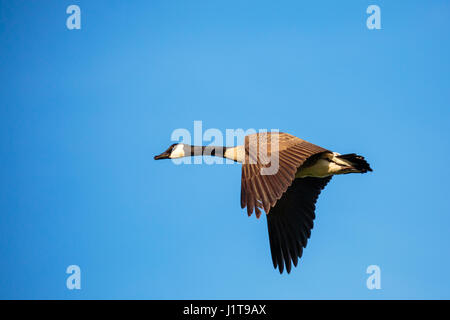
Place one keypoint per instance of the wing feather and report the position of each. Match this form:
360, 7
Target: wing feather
264, 190
292, 218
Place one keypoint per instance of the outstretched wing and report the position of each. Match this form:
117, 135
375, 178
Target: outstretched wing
290, 221
271, 162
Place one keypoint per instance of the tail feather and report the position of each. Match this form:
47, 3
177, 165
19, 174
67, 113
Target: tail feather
358, 162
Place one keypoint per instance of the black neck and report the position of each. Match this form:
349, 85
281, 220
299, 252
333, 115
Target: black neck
217, 151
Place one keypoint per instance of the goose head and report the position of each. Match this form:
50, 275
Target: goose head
176, 150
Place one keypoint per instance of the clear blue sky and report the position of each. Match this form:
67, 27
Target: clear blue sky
83, 112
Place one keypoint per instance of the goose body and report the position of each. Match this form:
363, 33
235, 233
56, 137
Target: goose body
282, 175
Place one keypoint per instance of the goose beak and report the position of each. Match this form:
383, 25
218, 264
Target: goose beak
164, 155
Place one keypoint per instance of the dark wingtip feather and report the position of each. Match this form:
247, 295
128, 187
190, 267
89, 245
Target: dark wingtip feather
290, 222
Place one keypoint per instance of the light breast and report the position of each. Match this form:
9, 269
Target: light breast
235, 153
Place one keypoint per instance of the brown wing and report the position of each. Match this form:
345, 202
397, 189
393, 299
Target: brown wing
291, 220
271, 161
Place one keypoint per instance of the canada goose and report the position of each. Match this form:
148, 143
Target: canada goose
288, 195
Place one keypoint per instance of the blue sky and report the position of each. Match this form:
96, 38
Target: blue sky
83, 112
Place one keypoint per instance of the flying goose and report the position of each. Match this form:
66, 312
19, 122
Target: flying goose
289, 193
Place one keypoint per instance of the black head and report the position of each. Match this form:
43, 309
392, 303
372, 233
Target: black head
168, 153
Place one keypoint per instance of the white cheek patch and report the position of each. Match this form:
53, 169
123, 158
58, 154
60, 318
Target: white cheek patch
177, 152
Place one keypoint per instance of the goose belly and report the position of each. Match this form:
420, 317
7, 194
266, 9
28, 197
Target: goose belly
320, 169
326, 166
